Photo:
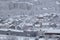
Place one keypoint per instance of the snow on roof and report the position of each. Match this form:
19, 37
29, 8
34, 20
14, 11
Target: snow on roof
29, 24
41, 39
46, 14
45, 8
45, 23
35, 0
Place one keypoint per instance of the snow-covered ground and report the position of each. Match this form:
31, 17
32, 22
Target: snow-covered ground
50, 30
5, 37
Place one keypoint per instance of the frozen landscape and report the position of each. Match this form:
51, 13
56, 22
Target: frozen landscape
29, 19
